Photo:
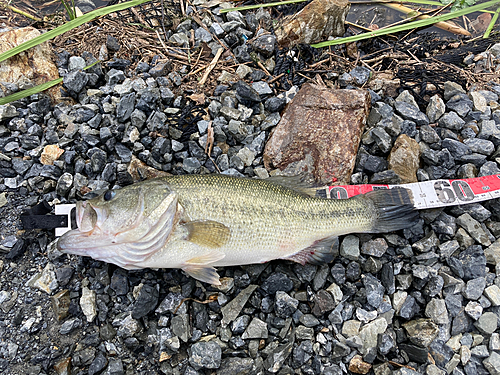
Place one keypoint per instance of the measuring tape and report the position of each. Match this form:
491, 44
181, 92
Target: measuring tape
429, 194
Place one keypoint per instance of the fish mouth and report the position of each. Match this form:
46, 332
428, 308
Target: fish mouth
86, 217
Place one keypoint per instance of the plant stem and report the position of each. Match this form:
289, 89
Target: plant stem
492, 23
70, 12
442, 25
35, 90
256, 6
408, 26
19, 11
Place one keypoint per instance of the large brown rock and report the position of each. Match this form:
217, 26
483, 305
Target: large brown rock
316, 22
404, 158
30, 68
319, 133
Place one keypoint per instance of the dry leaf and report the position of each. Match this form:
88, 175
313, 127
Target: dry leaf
50, 154
206, 50
352, 50
198, 98
84, 190
140, 171
212, 3
482, 22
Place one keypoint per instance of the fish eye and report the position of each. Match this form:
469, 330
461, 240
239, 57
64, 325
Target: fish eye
110, 194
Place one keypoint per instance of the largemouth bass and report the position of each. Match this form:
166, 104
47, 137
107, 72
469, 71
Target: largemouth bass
198, 222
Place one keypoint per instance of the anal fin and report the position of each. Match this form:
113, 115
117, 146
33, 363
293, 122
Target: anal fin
320, 252
207, 274
199, 267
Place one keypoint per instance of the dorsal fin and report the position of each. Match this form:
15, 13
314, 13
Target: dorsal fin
295, 183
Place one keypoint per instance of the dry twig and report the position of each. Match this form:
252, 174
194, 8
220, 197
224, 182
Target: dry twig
276, 78
212, 65
263, 68
212, 298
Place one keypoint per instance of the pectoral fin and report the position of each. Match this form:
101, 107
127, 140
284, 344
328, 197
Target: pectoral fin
207, 233
203, 273
320, 252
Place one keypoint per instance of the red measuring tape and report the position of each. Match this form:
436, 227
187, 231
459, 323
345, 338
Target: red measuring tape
429, 194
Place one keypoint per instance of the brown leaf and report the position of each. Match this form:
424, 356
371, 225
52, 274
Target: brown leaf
198, 98
207, 51
482, 22
85, 189
140, 171
352, 50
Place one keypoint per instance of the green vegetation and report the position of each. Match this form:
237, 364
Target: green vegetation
52, 34
492, 23
256, 6
458, 9
36, 89
459, 4
68, 26
70, 8
410, 25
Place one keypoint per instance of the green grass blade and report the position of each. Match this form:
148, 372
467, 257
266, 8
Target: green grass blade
256, 6
249, 7
492, 23
31, 91
421, 2
71, 15
36, 89
408, 26
69, 26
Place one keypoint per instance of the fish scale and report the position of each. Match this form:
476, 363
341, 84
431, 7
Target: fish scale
262, 214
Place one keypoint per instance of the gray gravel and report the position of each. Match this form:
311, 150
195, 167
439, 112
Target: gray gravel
426, 298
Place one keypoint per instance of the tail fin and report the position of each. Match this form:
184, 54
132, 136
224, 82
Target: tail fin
395, 209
